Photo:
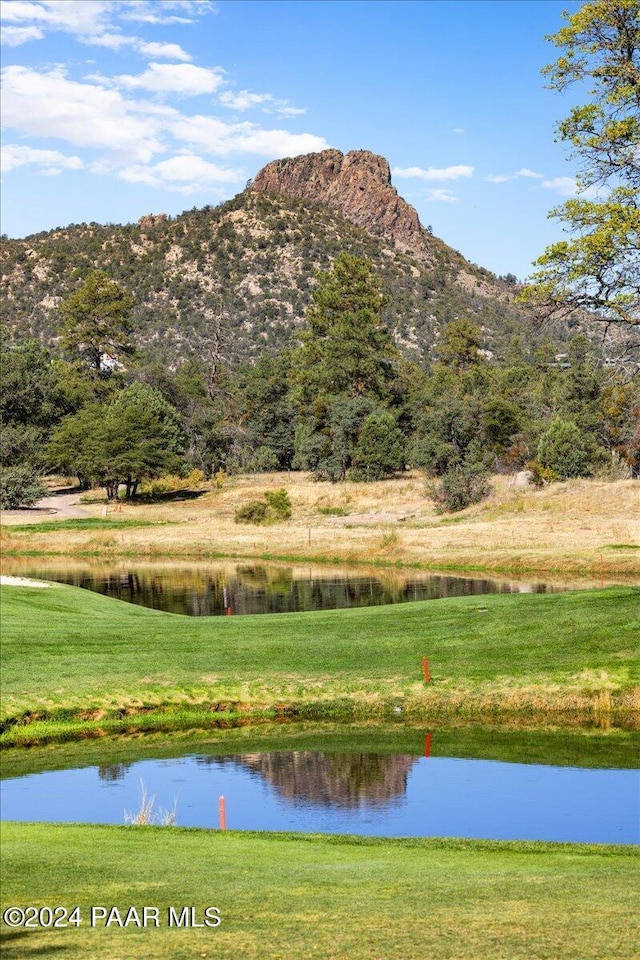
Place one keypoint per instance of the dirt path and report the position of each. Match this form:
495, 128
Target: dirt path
57, 506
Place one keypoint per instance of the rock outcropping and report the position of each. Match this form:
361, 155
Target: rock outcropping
150, 220
357, 185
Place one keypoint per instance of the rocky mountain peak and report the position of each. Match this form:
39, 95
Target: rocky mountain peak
357, 185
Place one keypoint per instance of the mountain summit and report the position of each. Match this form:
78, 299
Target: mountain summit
356, 185
256, 259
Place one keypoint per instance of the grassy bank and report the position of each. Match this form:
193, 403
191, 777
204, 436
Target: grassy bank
74, 657
287, 896
578, 528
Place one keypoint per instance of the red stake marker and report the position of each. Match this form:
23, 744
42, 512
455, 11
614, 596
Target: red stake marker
425, 670
222, 813
427, 745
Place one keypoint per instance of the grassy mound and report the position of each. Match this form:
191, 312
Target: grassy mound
71, 655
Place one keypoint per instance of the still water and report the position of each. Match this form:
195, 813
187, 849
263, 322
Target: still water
249, 588
372, 794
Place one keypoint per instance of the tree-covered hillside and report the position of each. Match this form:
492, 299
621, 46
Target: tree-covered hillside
344, 403
249, 267
272, 332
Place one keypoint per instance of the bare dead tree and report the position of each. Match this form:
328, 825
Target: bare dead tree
217, 323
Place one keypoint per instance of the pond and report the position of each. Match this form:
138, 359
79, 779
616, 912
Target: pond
362, 791
217, 589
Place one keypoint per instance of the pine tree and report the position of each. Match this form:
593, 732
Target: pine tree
96, 320
344, 371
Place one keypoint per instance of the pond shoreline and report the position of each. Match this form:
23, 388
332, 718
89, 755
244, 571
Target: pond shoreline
559, 746
37, 729
594, 568
226, 588
562, 658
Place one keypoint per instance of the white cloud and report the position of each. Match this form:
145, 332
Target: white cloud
184, 173
507, 177
441, 195
172, 51
568, 187
154, 19
146, 11
565, 186
459, 130
214, 136
433, 173
93, 16
89, 21
113, 41
89, 115
80, 17
17, 11
15, 155
525, 172
245, 100
126, 134
181, 78
277, 143
285, 110
95, 22
86, 115
14, 36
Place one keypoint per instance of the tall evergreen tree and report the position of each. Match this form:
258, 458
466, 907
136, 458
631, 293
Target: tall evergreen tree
96, 320
344, 370
346, 349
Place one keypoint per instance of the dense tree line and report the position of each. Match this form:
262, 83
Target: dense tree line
343, 403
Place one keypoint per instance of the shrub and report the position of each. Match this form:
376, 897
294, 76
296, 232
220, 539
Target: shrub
20, 486
275, 506
280, 503
171, 483
541, 475
459, 487
563, 448
615, 468
255, 511
265, 460
380, 450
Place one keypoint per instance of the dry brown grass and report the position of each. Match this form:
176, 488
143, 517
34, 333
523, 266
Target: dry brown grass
579, 528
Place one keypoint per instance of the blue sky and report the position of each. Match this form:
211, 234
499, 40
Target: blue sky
116, 109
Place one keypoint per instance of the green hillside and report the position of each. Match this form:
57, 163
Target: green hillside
255, 258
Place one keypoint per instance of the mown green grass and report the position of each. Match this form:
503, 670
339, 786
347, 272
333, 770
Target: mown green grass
82, 523
66, 649
296, 896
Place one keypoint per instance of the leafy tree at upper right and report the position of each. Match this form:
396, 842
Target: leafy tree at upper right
598, 268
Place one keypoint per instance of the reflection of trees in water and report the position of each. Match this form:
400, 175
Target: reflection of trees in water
257, 588
329, 779
113, 772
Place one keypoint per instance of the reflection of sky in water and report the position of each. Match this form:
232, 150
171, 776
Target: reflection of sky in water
443, 797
